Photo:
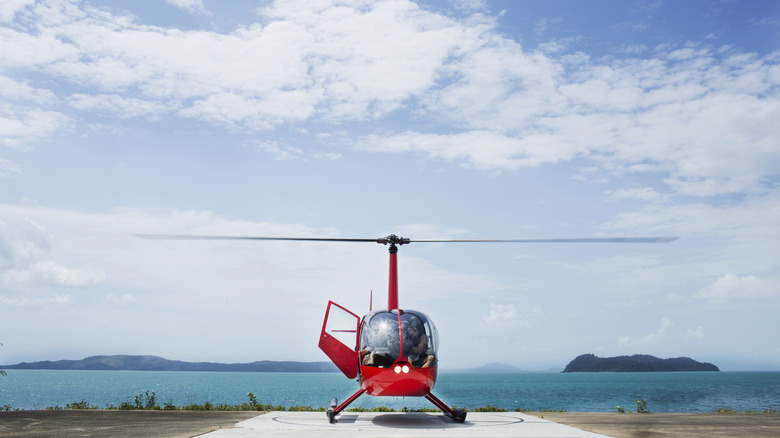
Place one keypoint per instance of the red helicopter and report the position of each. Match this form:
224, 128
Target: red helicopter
393, 351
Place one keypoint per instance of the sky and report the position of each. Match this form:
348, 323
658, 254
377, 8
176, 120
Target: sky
357, 119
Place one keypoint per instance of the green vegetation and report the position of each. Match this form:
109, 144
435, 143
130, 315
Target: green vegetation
641, 408
734, 411
488, 408
540, 410
147, 400
374, 409
591, 363
2, 373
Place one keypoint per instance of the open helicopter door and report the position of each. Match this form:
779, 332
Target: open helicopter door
339, 338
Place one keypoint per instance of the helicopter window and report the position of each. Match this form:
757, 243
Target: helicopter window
382, 338
342, 325
380, 342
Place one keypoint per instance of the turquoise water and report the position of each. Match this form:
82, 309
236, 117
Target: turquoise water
574, 392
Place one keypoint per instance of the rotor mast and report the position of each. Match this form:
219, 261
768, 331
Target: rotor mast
392, 281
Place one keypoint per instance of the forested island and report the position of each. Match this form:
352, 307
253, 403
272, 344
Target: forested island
590, 363
156, 363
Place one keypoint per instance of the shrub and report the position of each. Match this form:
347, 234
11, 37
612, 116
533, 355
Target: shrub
488, 408
79, 405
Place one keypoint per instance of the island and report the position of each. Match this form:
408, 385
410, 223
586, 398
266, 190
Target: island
590, 363
156, 363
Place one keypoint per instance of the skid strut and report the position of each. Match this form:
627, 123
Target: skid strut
458, 415
334, 410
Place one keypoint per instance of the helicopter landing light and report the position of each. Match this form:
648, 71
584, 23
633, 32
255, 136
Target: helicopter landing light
398, 369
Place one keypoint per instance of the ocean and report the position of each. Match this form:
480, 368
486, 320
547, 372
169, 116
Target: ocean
573, 392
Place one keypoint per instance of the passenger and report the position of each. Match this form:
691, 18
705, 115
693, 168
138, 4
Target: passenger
378, 344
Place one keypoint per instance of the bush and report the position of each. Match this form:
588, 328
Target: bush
79, 405
488, 408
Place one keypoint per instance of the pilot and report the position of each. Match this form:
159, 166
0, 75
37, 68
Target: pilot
420, 356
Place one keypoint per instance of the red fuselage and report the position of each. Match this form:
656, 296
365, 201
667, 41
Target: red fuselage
416, 382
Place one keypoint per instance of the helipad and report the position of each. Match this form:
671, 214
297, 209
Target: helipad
407, 425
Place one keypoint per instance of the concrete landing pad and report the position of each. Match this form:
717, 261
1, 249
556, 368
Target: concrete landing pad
407, 425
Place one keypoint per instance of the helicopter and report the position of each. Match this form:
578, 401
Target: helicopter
391, 352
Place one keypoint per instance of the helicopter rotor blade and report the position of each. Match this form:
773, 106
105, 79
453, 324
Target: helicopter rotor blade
580, 240
393, 239
202, 237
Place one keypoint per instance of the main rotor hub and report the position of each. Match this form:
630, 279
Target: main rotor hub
393, 240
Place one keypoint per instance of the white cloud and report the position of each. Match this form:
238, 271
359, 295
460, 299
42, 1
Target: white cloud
731, 287
706, 118
693, 334
655, 338
22, 92
118, 300
505, 316
191, 6
23, 301
274, 148
7, 167
469, 5
501, 314
340, 63
117, 106
11, 7
48, 272
642, 193
663, 335
19, 126
495, 151
25, 258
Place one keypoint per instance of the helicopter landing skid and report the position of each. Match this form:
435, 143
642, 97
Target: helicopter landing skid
458, 415
334, 410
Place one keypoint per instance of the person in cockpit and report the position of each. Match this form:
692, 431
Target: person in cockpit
420, 355
380, 339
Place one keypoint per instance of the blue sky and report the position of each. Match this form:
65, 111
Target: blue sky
460, 119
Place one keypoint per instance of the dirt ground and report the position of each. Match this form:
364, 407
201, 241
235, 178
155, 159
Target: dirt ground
110, 423
670, 425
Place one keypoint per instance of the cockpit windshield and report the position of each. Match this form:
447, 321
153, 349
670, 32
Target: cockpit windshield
388, 335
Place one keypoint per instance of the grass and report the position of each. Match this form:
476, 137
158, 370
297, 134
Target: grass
734, 411
148, 401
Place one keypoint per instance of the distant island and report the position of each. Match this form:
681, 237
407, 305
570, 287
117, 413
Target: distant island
590, 363
156, 363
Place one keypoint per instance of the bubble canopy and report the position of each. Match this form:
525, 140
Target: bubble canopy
387, 335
